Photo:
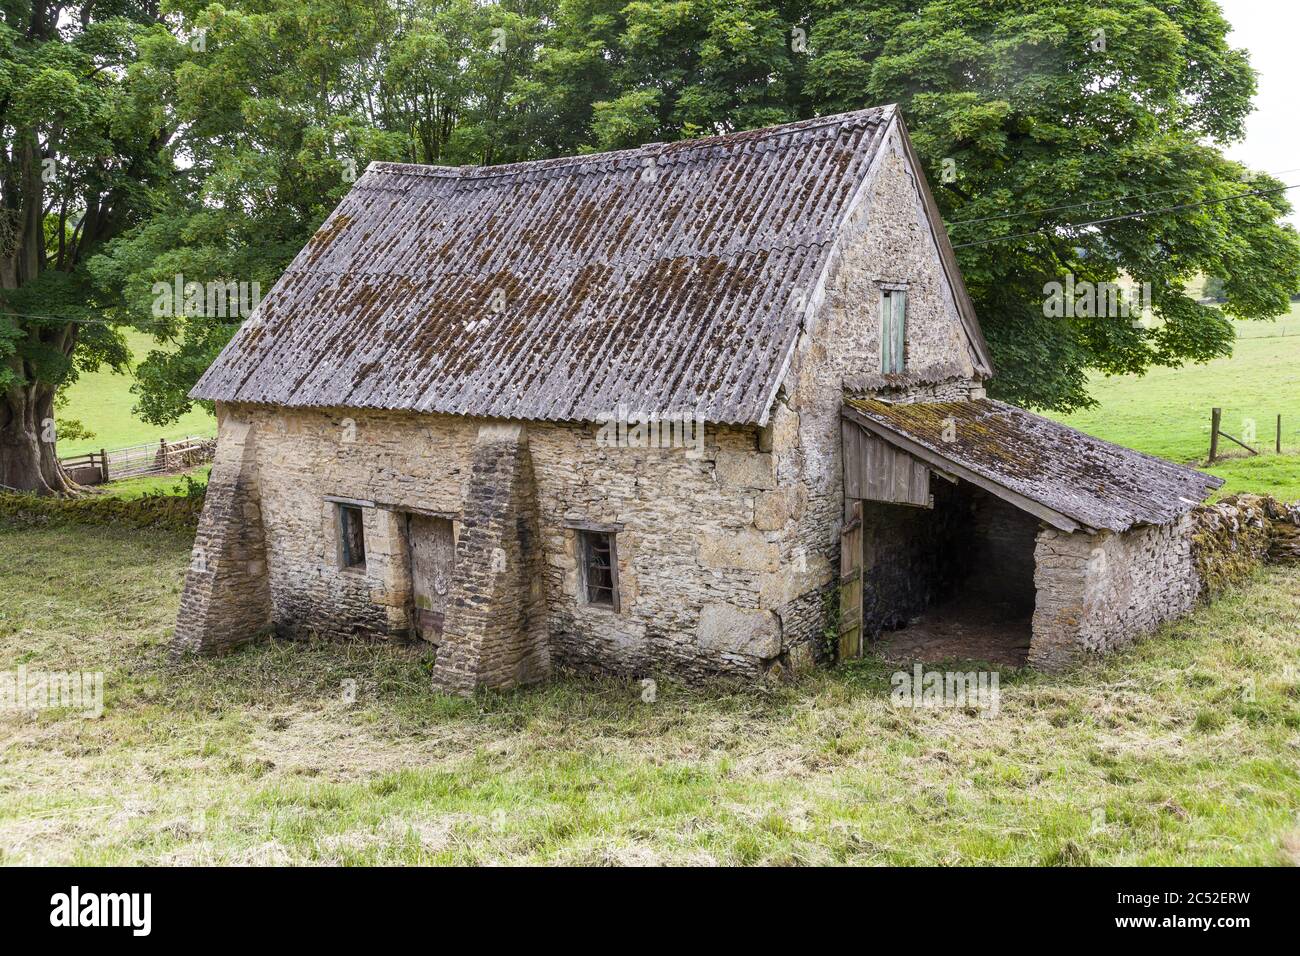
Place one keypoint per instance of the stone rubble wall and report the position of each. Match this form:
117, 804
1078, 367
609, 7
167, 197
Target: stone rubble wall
886, 238
226, 600
1099, 592
698, 548
1236, 534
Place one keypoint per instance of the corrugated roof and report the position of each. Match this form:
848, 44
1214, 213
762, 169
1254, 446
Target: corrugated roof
1092, 482
664, 278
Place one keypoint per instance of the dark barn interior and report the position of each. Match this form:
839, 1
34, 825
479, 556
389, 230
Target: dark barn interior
955, 581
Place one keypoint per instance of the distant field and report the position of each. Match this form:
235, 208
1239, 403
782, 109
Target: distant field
1167, 411
102, 401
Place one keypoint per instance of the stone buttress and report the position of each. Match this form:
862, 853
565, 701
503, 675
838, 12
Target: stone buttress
495, 631
227, 597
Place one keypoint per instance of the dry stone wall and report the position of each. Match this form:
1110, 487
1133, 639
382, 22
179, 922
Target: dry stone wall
1099, 592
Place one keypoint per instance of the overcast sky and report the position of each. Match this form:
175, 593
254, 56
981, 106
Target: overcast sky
1269, 30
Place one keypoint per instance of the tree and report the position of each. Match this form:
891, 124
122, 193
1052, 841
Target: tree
1039, 104
285, 106
1033, 117
1017, 109
81, 147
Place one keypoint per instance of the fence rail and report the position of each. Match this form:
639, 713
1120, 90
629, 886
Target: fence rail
133, 461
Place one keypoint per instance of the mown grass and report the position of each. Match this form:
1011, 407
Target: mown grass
1183, 749
1166, 412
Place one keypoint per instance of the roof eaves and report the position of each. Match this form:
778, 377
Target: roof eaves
1056, 519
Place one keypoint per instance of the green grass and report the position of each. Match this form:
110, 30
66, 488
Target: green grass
102, 401
1166, 412
173, 484
1157, 755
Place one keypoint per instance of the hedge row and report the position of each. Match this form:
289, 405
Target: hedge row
176, 513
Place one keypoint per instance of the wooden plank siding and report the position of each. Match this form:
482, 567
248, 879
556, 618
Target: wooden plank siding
874, 470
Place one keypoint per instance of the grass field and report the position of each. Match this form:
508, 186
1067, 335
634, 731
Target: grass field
102, 401
1157, 755
1167, 411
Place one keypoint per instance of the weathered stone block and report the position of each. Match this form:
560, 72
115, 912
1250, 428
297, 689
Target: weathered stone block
727, 629
772, 509
792, 580
744, 550
745, 469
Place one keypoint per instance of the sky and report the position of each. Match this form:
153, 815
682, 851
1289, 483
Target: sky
1269, 30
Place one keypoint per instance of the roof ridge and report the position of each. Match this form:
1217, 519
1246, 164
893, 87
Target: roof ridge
434, 171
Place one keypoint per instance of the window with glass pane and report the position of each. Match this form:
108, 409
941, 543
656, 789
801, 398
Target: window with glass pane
893, 329
599, 568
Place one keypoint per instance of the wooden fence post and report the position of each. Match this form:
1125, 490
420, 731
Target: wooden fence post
103, 465
1215, 415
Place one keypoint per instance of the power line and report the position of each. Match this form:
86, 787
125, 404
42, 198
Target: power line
1129, 215
1090, 202
65, 319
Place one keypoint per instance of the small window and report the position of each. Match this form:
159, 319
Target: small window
893, 329
352, 536
599, 568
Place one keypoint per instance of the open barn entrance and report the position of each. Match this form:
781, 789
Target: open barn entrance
952, 581
937, 567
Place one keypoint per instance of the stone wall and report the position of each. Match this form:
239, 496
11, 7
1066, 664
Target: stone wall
1232, 537
701, 580
885, 239
226, 600
909, 558
1000, 553
495, 633
1099, 592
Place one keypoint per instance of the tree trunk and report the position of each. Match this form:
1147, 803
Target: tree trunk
28, 461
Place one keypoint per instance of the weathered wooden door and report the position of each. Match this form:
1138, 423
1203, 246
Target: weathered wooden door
433, 552
851, 583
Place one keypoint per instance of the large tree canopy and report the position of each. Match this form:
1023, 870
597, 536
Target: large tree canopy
209, 140
82, 154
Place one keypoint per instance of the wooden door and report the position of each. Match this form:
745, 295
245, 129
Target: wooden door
433, 552
851, 583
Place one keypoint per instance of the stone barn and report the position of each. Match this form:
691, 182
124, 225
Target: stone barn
714, 406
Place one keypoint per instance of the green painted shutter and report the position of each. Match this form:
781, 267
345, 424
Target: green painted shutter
900, 328
886, 330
